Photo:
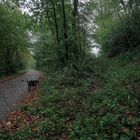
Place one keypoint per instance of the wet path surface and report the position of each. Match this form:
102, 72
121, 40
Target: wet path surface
12, 91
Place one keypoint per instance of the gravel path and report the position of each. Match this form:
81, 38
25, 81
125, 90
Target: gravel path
12, 91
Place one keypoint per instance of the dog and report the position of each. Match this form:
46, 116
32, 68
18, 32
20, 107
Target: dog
32, 84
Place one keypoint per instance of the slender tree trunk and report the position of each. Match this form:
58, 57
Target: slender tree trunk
125, 31
130, 4
57, 34
75, 5
56, 25
65, 32
75, 25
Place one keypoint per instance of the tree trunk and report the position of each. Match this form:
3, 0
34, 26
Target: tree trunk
65, 32
57, 34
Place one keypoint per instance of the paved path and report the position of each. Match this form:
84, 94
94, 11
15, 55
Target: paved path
12, 91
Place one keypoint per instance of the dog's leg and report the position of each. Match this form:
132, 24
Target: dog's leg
35, 86
29, 88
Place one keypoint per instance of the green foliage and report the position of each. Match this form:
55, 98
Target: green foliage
86, 97
86, 108
118, 31
46, 52
13, 40
62, 38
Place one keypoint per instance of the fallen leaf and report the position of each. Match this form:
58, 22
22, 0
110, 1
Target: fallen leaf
8, 123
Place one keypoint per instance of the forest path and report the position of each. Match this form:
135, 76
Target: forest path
12, 91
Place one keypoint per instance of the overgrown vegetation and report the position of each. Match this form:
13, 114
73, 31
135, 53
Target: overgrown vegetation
85, 97
14, 41
74, 107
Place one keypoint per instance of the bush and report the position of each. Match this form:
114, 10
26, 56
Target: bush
118, 35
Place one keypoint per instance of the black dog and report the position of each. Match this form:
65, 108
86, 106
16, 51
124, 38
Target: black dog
32, 84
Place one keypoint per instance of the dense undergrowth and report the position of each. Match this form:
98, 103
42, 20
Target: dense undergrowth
101, 106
